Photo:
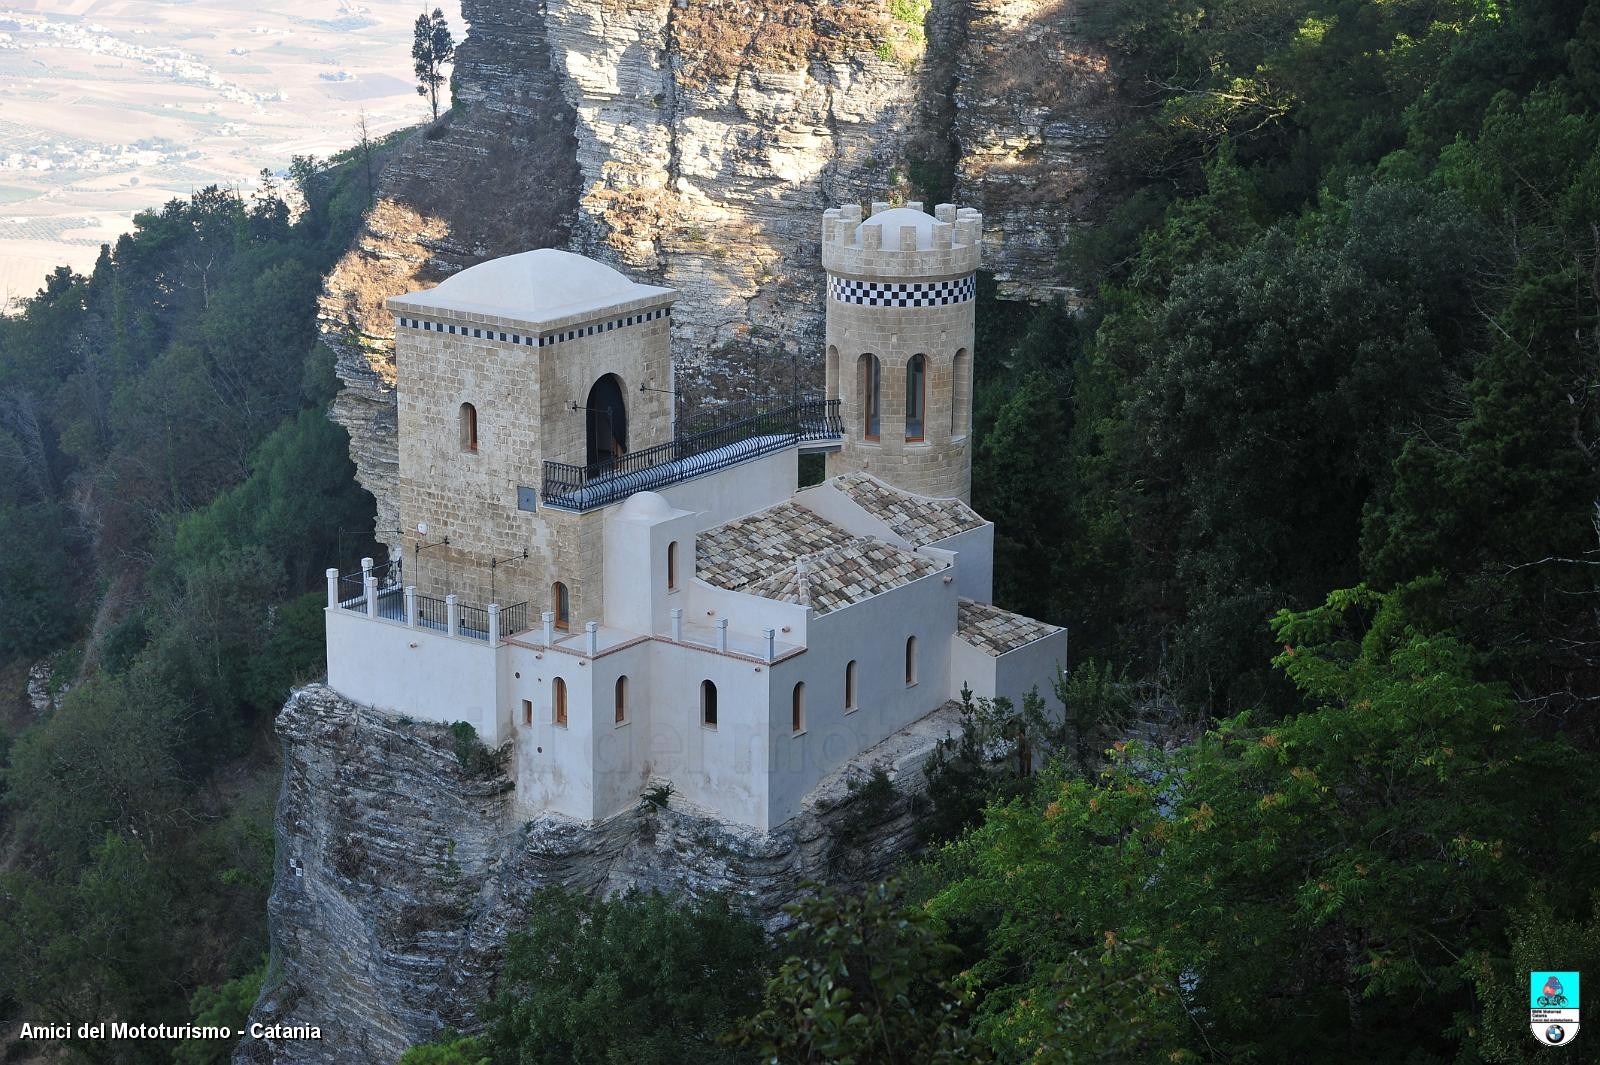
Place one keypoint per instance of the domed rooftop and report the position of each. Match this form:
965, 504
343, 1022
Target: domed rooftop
646, 506
534, 286
895, 217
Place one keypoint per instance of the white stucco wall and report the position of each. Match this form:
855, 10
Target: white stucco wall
873, 633
738, 490
637, 596
416, 673
975, 564
1037, 663
554, 764
1012, 674
721, 768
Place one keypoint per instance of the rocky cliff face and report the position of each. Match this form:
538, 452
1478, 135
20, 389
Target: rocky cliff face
696, 142
400, 870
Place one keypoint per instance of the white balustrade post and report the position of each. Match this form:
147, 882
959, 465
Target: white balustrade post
411, 606
366, 569
494, 624
722, 634
772, 639
372, 595
549, 619
452, 615
333, 589
677, 624
591, 630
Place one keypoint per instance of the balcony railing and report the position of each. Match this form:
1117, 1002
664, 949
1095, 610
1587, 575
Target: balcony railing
472, 622
571, 487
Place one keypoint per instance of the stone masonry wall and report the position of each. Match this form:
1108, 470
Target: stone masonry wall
696, 144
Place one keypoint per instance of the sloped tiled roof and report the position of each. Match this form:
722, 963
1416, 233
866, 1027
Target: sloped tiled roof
920, 520
744, 551
994, 631
789, 554
845, 574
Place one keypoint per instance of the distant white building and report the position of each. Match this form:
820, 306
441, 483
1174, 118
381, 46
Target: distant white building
626, 605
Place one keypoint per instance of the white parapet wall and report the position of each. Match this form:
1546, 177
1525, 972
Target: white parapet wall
414, 672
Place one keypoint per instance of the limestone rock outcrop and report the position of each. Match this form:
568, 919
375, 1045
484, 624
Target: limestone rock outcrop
695, 143
401, 867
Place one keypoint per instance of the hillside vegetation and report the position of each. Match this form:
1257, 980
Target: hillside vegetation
170, 491
1314, 480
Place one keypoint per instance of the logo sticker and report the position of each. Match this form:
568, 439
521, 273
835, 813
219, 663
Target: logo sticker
1553, 1006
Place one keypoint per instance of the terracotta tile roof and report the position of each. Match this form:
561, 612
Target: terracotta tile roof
789, 554
920, 520
839, 576
744, 551
995, 631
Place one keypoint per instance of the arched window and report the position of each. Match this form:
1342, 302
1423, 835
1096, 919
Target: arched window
797, 708
622, 699
469, 427
911, 660
672, 566
561, 603
916, 396
960, 394
559, 702
830, 379
708, 704
849, 685
869, 384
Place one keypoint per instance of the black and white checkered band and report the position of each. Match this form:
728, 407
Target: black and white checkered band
532, 341
903, 293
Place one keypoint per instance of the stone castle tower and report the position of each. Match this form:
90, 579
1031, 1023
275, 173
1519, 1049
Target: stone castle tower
901, 292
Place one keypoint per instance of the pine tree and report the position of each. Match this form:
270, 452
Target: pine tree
431, 49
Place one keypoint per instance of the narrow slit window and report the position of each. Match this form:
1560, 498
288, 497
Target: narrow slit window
850, 685
911, 660
672, 566
916, 396
527, 711
560, 700
561, 603
871, 385
622, 700
469, 427
797, 708
708, 704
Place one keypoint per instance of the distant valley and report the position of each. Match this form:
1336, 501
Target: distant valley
113, 106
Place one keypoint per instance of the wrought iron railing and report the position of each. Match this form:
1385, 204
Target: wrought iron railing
434, 613
514, 619
474, 622
353, 591
572, 487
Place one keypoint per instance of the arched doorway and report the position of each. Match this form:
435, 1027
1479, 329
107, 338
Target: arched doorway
607, 423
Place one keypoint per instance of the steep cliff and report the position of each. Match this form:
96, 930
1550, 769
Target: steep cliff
696, 143
400, 870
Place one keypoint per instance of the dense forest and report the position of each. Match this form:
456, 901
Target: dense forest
1312, 476
170, 490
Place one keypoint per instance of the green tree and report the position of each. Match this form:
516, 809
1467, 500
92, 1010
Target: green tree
867, 980
637, 978
432, 46
226, 1006
1306, 890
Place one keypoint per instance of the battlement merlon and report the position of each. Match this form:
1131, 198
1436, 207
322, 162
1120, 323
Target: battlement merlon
903, 243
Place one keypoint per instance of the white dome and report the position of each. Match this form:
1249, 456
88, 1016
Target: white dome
895, 217
534, 286
646, 506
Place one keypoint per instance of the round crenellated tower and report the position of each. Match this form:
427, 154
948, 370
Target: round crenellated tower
901, 290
